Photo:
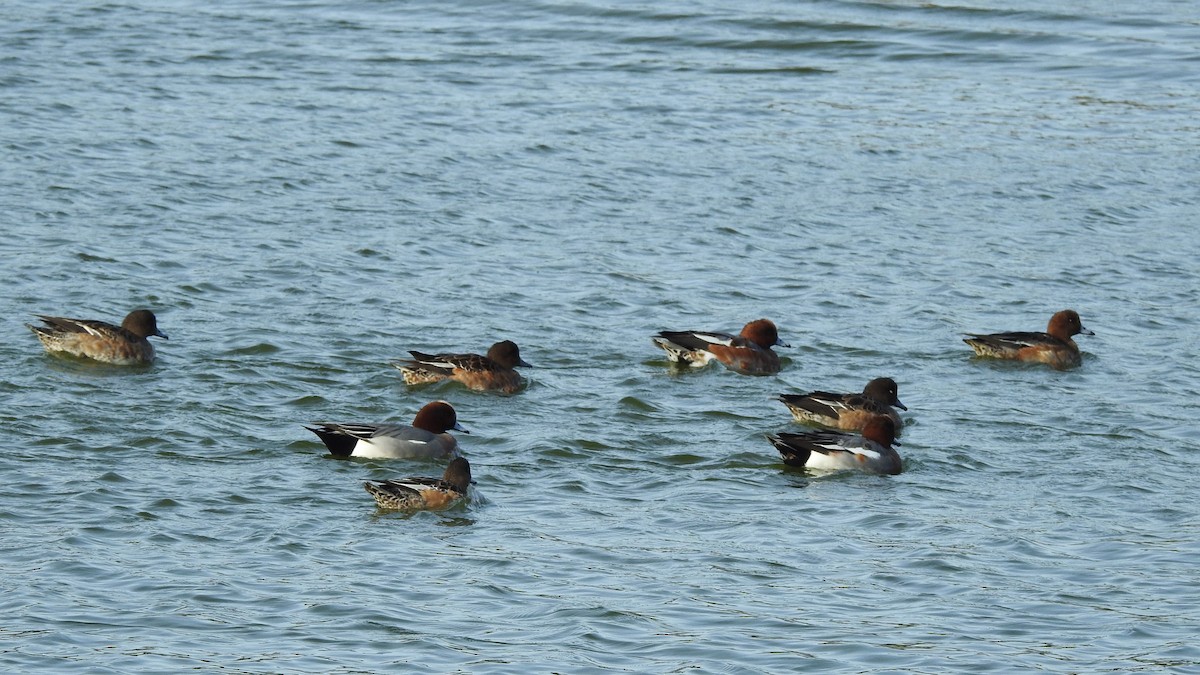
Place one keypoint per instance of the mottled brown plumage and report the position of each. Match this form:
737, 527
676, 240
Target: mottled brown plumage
849, 412
411, 494
1054, 347
99, 340
494, 372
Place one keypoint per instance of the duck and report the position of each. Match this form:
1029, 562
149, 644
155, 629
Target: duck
748, 353
425, 439
413, 494
1054, 348
849, 412
493, 372
829, 450
124, 345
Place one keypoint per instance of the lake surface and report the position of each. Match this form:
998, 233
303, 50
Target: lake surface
304, 191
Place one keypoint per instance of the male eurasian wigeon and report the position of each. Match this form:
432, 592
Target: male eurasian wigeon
425, 439
123, 345
748, 353
836, 450
1054, 347
847, 411
481, 373
411, 494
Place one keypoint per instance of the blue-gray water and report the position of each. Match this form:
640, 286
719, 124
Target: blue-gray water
304, 191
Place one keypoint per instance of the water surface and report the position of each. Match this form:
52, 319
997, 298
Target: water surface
303, 192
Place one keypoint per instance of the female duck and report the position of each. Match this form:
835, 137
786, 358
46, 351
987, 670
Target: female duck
124, 345
481, 373
849, 412
1054, 347
412, 494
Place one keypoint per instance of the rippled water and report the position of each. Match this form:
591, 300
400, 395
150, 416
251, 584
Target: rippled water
305, 191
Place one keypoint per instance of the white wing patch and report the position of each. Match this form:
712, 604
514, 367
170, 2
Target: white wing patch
835, 403
831, 447
834, 448
715, 339
91, 330
386, 437
866, 452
